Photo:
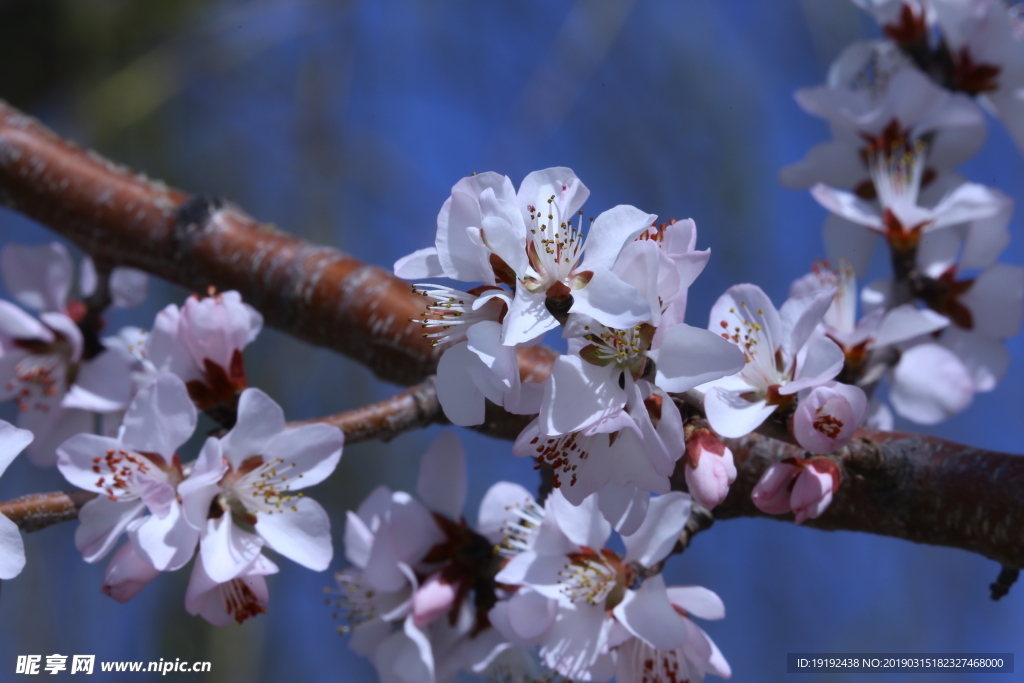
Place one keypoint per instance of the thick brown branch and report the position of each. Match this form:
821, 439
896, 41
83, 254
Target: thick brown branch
917, 488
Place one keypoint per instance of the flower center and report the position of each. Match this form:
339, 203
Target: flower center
452, 308
553, 247
239, 600
43, 374
564, 453
117, 469
259, 486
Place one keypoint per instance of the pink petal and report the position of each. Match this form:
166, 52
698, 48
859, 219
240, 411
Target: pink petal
161, 418
432, 599
771, 494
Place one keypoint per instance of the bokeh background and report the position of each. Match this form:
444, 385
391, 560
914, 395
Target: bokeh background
347, 122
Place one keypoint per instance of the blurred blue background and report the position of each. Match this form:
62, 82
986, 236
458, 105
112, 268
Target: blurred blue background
347, 122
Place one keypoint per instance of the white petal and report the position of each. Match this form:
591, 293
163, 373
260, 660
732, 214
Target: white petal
12, 549
101, 523
996, 300
610, 301
906, 322
698, 601
260, 419
610, 232
578, 393
530, 614
666, 517
460, 399
801, 316
930, 384
849, 206
647, 614
822, 360
527, 319
690, 356
167, 543
311, 451
37, 277
584, 525
12, 442
495, 508
202, 485
226, 549
733, 416
102, 384
442, 479
17, 324
128, 287
625, 507
422, 263
302, 535
161, 418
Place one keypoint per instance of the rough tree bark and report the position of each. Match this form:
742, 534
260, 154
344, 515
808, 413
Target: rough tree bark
918, 488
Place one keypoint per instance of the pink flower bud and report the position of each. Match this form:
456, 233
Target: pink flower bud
827, 417
813, 489
710, 469
127, 574
433, 599
772, 492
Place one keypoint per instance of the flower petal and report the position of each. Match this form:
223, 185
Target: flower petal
442, 478
666, 517
161, 418
37, 277
302, 534
690, 356
12, 549
648, 615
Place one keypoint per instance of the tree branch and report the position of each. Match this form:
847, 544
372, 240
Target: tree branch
411, 409
918, 488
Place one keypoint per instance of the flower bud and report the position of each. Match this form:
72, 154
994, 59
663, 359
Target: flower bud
813, 489
772, 492
710, 469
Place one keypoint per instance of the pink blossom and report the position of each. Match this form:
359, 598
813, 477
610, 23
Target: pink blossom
804, 486
709, 469
202, 343
826, 418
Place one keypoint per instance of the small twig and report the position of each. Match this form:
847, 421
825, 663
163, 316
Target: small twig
411, 409
415, 407
40, 510
1007, 577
